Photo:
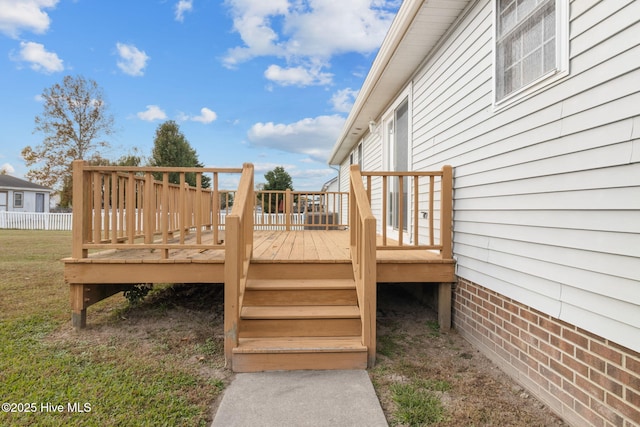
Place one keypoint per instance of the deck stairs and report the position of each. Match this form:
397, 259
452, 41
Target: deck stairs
299, 316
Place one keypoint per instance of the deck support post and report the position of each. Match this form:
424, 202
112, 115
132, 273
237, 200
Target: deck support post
78, 309
444, 306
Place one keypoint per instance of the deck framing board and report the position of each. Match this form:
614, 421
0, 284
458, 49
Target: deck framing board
271, 246
303, 254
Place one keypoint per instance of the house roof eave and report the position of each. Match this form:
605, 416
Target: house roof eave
8, 182
416, 30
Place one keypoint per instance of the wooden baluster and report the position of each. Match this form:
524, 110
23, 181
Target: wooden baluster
287, 209
114, 207
106, 198
165, 212
432, 179
446, 210
416, 204
385, 196
121, 202
81, 213
198, 208
182, 220
131, 209
148, 225
400, 210
215, 214
97, 206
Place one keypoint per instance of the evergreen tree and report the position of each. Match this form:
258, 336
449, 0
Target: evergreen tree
171, 148
277, 180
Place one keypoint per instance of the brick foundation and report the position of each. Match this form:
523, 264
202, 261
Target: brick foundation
584, 378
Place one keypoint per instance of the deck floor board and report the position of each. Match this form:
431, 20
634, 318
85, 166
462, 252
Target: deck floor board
273, 246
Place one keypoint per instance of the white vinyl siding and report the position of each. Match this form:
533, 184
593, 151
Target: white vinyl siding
547, 191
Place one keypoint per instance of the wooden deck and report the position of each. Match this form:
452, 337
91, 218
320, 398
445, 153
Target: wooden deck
299, 270
134, 266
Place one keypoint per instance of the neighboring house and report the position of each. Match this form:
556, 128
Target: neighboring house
18, 195
536, 105
333, 203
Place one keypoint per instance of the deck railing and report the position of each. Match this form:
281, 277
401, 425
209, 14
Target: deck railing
239, 230
406, 203
363, 257
120, 207
300, 210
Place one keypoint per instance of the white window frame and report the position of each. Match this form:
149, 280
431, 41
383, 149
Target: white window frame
560, 71
405, 95
357, 155
18, 203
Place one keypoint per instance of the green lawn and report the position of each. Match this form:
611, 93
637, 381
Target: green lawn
137, 376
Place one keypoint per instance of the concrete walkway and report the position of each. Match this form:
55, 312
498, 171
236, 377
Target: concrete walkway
300, 398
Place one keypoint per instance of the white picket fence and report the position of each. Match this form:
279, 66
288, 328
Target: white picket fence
62, 221
35, 221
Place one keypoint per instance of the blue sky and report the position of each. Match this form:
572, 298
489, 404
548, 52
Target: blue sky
263, 81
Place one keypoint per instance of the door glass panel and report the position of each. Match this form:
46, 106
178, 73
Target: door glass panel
399, 156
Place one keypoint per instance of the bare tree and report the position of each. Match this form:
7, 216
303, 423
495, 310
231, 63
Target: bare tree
74, 121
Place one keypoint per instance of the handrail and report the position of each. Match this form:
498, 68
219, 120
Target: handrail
123, 207
239, 248
301, 210
410, 191
362, 237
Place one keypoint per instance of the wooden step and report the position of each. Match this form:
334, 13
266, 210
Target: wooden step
300, 270
300, 345
300, 292
254, 355
299, 321
299, 327
300, 297
300, 312
293, 284
299, 316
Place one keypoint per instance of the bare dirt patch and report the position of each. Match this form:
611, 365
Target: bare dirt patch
182, 325
472, 389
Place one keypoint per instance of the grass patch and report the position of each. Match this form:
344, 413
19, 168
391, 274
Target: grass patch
387, 345
417, 405
434, 328
125, 378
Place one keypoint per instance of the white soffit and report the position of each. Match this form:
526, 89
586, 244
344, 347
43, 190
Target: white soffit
416, 30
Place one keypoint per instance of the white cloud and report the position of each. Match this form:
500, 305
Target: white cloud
19, 15
206, 116
7, 168
39, 58
343, 100
181, 7
313, 137
152, 113
297, 76
308, 31
132, 60
252, 20
330, 27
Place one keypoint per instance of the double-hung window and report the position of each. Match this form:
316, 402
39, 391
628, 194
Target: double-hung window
530, 44
18, 200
